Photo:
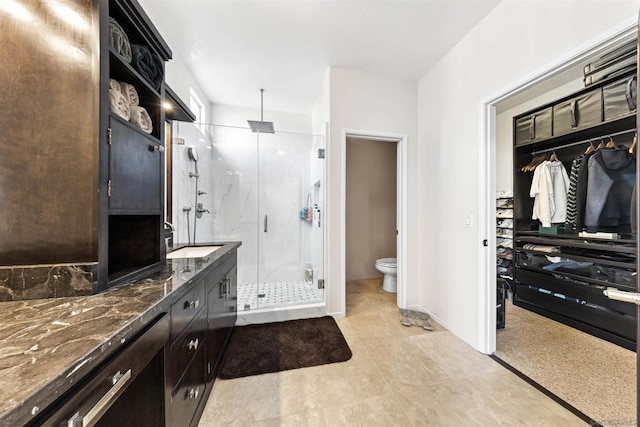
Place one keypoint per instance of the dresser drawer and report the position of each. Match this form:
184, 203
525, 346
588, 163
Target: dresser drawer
184, 348
186, 397
183, 311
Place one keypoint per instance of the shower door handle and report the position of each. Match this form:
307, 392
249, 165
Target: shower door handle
265, 223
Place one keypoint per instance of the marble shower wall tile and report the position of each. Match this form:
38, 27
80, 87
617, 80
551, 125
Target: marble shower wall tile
46, 281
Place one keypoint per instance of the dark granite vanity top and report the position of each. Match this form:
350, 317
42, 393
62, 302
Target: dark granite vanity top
47, 345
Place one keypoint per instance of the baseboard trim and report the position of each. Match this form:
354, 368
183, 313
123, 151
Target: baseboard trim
584, 417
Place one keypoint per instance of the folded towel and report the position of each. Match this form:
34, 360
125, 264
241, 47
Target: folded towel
115, 85
119, 104
118, 41
148, 64
140, 118
130, 93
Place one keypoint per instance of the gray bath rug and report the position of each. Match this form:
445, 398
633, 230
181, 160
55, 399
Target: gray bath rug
415, 317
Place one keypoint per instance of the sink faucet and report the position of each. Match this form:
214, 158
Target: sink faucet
168, 224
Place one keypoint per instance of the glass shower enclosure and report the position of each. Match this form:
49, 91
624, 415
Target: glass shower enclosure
265, 190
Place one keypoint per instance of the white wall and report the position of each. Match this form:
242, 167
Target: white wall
513, 41
368, 102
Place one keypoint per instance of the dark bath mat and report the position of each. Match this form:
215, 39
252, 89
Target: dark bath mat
280, 346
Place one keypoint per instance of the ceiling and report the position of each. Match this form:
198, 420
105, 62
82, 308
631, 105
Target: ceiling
235, 47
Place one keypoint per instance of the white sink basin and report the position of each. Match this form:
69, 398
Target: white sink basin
193, 252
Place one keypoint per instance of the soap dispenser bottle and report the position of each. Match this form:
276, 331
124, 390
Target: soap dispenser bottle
308, 273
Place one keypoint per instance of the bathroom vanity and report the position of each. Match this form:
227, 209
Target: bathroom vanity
143, 353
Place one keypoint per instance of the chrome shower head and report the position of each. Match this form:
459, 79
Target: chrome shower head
193, 154
261, 126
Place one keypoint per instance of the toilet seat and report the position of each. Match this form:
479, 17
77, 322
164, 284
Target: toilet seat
387, 262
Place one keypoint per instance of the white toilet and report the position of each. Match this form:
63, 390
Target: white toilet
389, 268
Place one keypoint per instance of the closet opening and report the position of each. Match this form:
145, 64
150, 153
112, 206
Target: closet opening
559, 332
374, 215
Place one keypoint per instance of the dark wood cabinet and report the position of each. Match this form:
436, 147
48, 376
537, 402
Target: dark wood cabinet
201, 324
135, 170
132, 159
130, 383
222, 314
70, 166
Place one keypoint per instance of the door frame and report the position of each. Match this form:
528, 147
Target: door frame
623, 33
401, 209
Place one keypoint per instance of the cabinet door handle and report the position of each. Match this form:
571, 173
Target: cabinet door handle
156, 148
192, 393
265, 223
193, 344
118, 381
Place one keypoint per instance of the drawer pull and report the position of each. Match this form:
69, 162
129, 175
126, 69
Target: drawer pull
105, 402
191, 305
192, 393
193, 344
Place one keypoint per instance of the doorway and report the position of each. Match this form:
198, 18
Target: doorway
518, 94
400, 141
371, 211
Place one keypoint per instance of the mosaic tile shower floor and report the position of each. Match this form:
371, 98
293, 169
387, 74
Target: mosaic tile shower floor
277, 294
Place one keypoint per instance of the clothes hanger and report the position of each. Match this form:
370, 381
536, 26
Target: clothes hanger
601, 145
634, 144
590, 149
611, 143
553, 157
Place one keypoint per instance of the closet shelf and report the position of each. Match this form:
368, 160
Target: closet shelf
587, 281
627, 265
123, 71
577, 244
570, 236
150, 137
617, 124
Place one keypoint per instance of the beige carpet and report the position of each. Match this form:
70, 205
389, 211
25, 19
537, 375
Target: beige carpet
593, 375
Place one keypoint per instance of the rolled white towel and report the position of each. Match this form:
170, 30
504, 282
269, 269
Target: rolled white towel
114, 84
119, 104
130, 93
140, 118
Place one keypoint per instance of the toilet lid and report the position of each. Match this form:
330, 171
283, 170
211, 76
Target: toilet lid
387, 262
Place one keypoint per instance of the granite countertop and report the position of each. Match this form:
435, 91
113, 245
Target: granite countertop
47, 345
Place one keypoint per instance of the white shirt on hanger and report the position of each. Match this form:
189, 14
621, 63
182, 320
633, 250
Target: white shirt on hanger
550, 186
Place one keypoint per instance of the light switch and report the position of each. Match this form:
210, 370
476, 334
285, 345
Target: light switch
467, 220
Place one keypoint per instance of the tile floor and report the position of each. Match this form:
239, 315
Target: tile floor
398, 376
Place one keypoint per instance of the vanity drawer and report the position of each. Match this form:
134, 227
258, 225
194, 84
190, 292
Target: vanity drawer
184, 348
183, 311
188, 393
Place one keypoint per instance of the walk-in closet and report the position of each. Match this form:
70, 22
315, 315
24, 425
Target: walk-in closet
566, 239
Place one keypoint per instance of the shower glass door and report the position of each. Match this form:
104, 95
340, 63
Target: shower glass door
255, 187
290, 254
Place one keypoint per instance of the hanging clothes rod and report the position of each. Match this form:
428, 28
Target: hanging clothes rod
573, 144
